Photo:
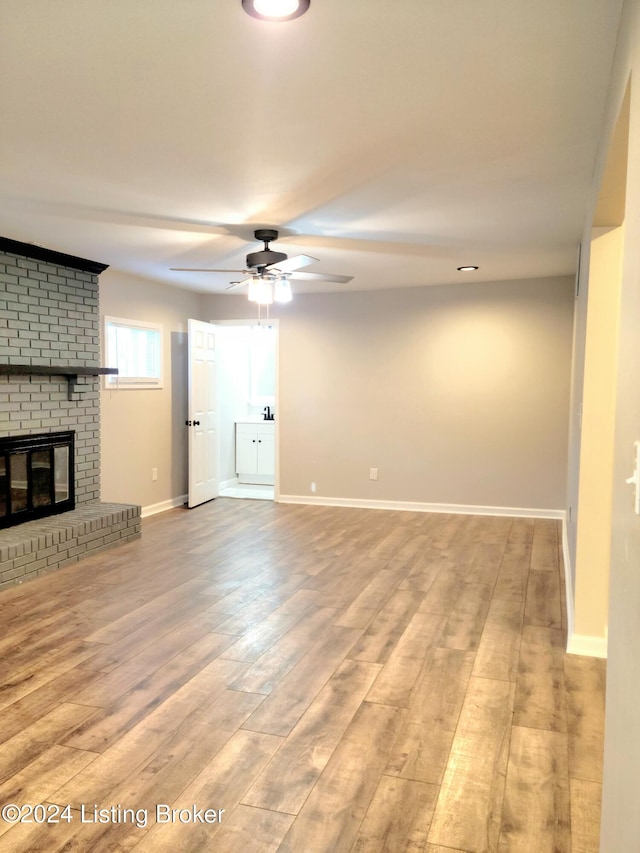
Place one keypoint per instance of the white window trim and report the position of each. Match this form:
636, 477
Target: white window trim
115, 382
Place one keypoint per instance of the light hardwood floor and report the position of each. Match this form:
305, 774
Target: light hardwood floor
334, 679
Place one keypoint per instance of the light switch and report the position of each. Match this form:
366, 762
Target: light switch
634, 480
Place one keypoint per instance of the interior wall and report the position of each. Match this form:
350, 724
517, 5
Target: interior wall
144, 429
595, 329
456, 394
620, 813
594, 506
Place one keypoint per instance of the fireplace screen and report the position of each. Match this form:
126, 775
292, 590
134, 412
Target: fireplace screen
36, 476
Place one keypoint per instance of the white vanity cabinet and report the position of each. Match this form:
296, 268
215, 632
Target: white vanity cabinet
255, 452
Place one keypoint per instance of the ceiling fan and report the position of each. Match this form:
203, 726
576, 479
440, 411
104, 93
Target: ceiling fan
269, 266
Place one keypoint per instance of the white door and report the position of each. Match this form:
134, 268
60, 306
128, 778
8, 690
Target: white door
202, 417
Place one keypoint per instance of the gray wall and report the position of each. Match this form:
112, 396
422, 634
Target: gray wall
144, 429
49, 316
457, 394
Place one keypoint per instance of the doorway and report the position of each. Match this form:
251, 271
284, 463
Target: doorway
248, 408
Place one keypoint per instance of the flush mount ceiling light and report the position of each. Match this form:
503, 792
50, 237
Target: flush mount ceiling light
467, 269
275, 10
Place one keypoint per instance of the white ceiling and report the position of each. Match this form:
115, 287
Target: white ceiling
394, 141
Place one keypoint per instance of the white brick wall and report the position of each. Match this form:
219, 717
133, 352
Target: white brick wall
49, 316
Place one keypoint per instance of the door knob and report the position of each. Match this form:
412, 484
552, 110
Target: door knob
187, 423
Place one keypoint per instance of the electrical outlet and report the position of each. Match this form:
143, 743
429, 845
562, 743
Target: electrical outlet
373, 473
154, 474
313, 487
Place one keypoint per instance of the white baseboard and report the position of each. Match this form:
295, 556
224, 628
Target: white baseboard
256, 479
414, 506
228, 484
593, 647
172, 503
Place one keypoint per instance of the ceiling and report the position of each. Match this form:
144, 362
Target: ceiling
394, 141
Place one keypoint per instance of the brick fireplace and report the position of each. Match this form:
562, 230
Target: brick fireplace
49, 375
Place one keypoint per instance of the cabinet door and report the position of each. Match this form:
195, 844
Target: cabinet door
266, 454
246, 453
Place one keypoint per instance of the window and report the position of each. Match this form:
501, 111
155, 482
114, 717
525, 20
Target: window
135, 348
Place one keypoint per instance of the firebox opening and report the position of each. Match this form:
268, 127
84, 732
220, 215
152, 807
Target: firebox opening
36, 476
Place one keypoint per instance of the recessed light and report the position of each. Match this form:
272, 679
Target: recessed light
275, 10
467, 269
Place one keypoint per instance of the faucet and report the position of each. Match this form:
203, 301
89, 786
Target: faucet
267, 414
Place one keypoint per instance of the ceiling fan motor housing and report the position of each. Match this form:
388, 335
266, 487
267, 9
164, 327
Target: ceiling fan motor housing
265, 257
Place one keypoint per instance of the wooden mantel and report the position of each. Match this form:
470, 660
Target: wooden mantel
70, 372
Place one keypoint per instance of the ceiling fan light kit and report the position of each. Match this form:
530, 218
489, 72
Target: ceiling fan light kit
275, 10
260, 291
266, 291
281, 290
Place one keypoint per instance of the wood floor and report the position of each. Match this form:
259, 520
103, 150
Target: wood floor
333, 679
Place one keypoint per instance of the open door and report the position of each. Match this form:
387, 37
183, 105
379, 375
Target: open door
202, 417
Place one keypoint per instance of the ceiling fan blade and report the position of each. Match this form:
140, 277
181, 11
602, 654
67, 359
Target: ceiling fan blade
127, 217
295, 263
235, 284
380, 244
203, 269
319, 276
